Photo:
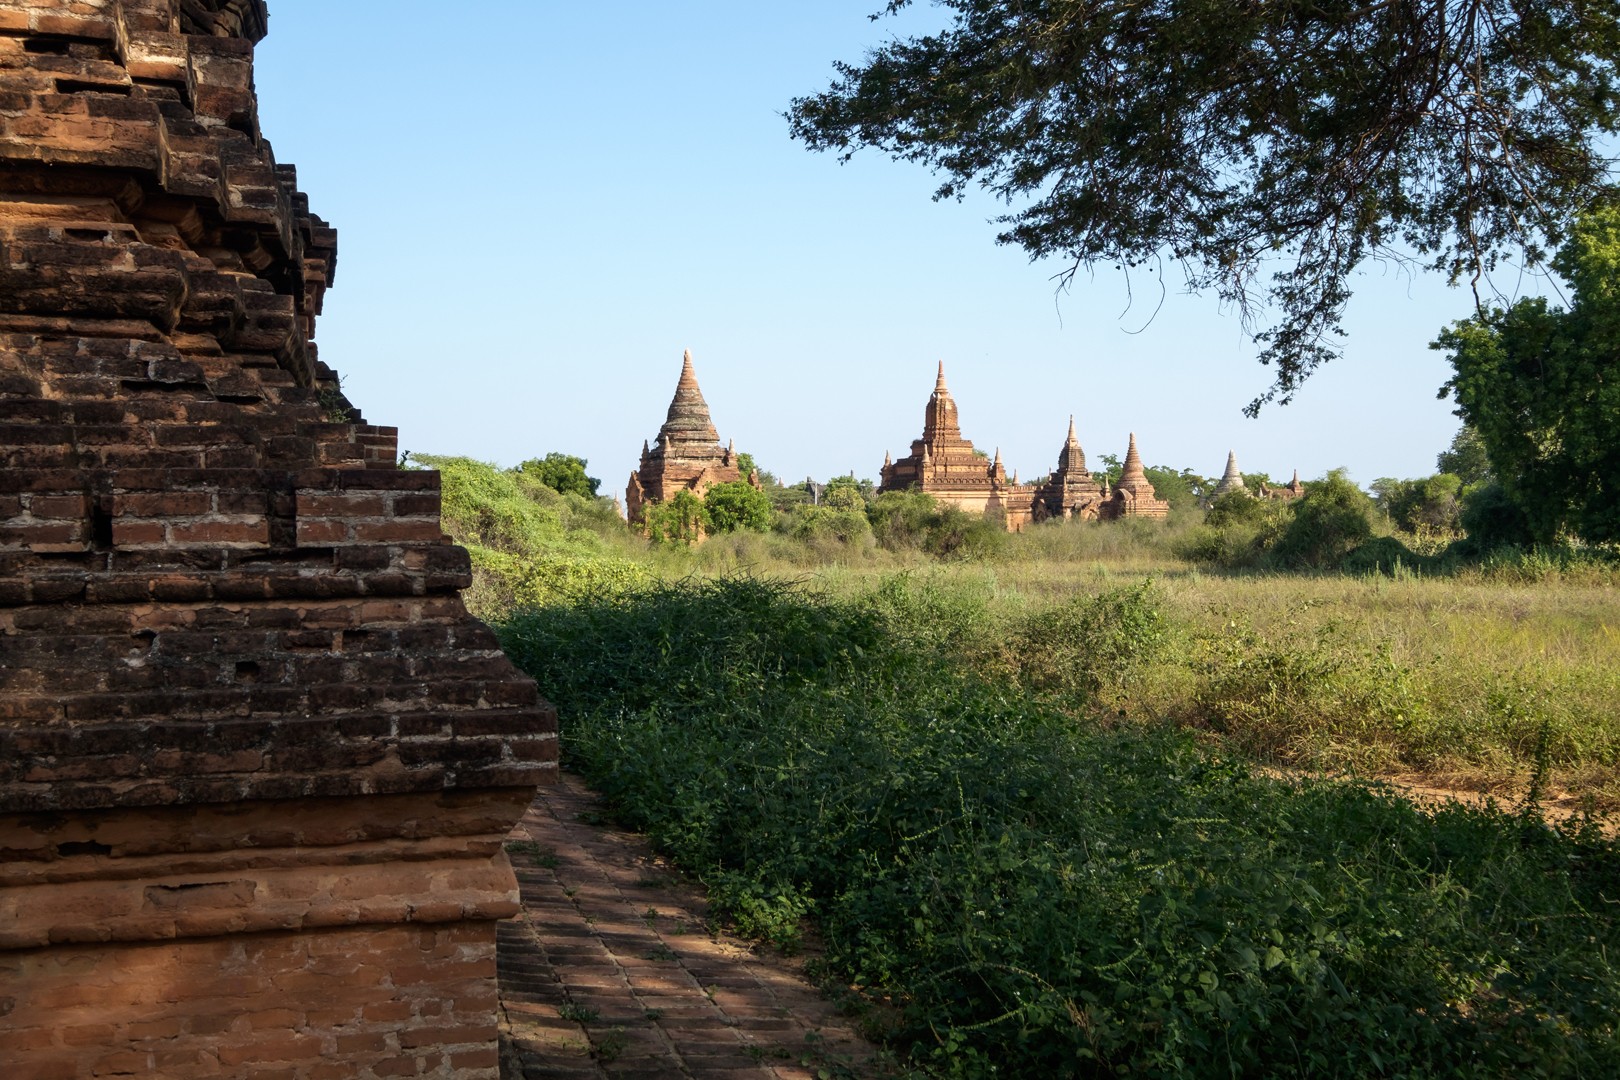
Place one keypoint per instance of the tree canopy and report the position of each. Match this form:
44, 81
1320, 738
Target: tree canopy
1268, 147
737, 505
563, 473
1541, 386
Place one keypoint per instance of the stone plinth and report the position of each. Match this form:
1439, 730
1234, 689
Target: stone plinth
255, 758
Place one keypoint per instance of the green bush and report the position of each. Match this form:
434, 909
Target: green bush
915, 521
1037, 896
737, 505
530, 544
679, 520
1329, 521
1089, 645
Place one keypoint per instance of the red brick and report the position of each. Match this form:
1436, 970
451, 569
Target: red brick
222, 532
398, 531
321, 533
448, 1036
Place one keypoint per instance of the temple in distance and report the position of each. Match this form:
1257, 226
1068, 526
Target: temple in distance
946, 465
686, 455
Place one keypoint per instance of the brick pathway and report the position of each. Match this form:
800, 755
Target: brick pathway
610, 971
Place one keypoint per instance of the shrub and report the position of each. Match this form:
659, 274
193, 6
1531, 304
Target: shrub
680, 520
737, 505
1329, 521
1088, 645
1035, 896
562, 473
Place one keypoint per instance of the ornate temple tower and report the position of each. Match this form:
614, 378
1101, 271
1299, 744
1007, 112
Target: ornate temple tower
686, 456
944, 464
256, 760
1071, 491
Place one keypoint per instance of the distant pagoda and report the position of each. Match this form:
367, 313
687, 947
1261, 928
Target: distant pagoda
1132, 495
686, 456
1291, 490
945, 465
1232, 479
1071, 491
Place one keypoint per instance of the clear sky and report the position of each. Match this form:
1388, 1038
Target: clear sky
540, 205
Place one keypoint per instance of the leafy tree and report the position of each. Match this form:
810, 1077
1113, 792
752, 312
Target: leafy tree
1236, 138
846, 493
1541, 386
1330, 520
1253, 480
737, 505
1181, 488
1466, 458
562, 473
1235, 508
1432, 502
681, 520
1493, 520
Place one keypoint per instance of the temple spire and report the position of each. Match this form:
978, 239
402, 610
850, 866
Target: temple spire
1133, 463
1073, 440
688, 419
1232, 479
939, 383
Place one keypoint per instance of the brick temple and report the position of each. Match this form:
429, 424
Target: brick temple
946, 465
686, 455
256, 760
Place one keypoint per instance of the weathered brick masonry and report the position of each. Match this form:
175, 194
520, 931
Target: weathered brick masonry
256, 761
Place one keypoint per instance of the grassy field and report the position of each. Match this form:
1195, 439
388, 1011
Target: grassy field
1486, 680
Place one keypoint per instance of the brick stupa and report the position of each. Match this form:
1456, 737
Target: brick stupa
686, 456
1231, 479
256, 760
1132, 495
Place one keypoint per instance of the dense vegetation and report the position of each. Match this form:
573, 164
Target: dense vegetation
1021, 890
1060, 803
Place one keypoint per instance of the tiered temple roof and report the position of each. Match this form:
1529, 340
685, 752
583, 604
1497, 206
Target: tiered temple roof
946, 466
1071, 491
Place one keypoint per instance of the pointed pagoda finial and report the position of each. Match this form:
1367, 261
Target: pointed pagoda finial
939, 383
888, 459
1296, 477
1232, 478
1073, 439
688, 418
1133, 464
998, 456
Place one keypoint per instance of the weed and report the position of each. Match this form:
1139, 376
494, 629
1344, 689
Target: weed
579, 1014
662, 953
607, 1045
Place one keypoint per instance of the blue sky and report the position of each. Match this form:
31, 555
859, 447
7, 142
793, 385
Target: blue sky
540, 205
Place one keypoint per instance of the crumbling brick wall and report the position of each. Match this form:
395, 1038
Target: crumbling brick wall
256, 761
